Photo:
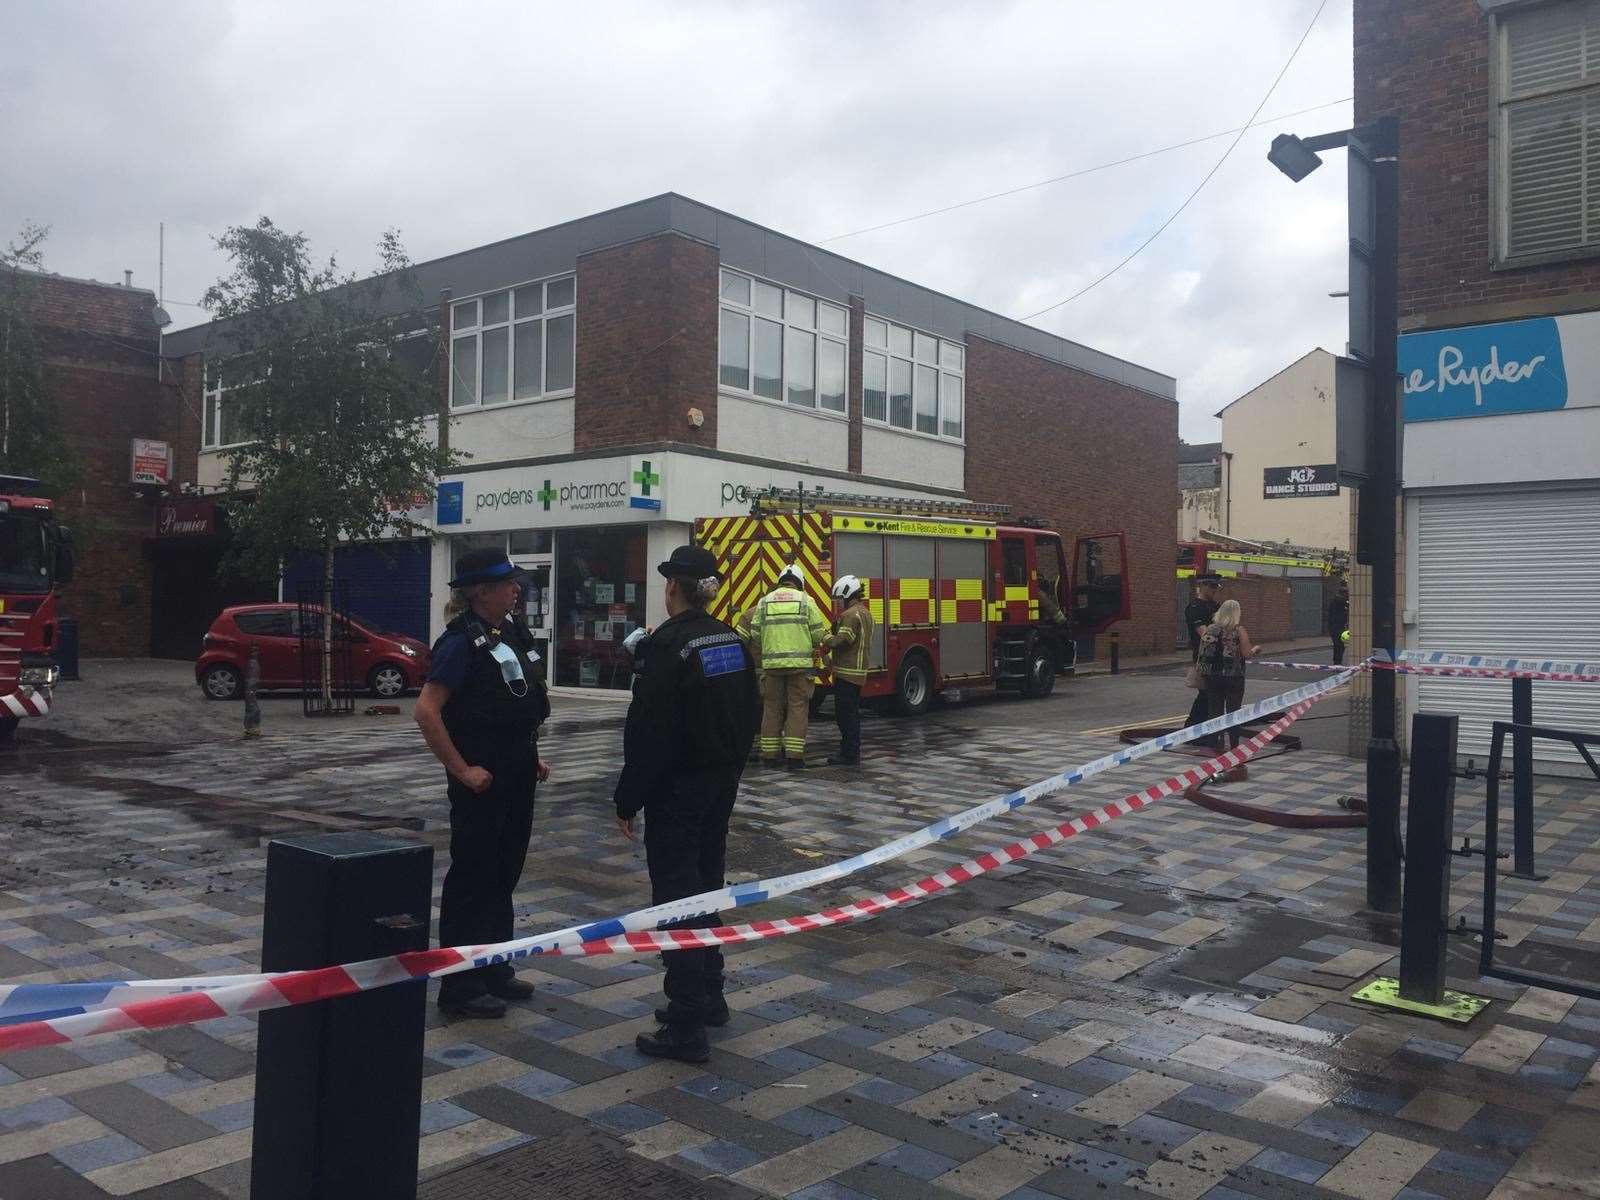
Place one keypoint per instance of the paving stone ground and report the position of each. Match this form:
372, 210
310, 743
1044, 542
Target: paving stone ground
1159, 1008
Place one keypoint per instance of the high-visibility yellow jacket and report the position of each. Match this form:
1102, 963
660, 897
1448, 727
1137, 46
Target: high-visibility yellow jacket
788, 627
851, 643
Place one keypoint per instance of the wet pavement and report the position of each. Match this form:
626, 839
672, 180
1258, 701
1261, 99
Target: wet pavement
1158, 1008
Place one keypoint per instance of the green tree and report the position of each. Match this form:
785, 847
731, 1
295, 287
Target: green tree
31, 441
321, 392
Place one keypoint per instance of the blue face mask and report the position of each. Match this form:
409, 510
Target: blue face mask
510, 668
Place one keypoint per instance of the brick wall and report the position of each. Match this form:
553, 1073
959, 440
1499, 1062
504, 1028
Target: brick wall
99, 343
646, 343
1427, 61
1267, 606
1088, 456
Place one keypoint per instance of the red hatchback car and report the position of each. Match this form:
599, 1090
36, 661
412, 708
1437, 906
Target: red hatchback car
386, 664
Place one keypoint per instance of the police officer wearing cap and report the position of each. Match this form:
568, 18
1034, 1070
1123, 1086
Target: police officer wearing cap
1196, 616
688, 733
480, 712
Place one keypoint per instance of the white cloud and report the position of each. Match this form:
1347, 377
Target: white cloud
465, 125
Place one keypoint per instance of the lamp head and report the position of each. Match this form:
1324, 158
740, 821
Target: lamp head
1293, 157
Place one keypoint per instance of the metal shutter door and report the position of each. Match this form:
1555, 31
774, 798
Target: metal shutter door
388, 582
1510, 573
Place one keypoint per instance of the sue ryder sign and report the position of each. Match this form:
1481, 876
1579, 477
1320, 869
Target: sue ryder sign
1537, 365
1282, 483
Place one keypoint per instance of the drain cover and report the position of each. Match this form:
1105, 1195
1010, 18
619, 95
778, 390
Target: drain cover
583, 1164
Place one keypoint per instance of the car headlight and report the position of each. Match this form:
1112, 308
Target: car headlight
408, 651
39, 676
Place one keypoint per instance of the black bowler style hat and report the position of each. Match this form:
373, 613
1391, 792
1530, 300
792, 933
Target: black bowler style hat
1214, 580
485, 566
689, 562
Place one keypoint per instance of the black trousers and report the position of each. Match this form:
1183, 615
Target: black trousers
1225, 694
847, 711
686, 848
489, 834
1200, 710
1338, 648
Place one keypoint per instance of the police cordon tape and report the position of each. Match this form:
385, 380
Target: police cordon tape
64, 1011
303, 987
1475, 666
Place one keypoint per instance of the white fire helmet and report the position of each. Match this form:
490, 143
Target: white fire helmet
846, 588
793, 571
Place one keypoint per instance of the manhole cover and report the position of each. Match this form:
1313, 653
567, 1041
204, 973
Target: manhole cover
584, 1164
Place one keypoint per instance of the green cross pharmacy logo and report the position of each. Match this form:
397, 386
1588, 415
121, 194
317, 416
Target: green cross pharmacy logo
545, 495
645, 478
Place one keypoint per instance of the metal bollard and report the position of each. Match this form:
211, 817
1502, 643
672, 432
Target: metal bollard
1430, 812
1116, 654
252, 681
339, 1082
1522, 779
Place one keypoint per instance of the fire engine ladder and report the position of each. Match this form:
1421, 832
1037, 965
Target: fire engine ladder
795, 500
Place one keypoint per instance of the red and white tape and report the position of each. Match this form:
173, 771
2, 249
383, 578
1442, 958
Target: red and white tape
327, 983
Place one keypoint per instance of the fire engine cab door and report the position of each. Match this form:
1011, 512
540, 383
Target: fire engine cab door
1099, 583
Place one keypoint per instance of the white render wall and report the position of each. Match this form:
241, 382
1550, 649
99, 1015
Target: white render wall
891, 454
764, 429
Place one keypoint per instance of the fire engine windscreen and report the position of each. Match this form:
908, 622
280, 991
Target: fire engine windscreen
24, 553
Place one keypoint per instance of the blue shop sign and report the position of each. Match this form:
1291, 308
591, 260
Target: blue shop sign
1483, 370
449, 503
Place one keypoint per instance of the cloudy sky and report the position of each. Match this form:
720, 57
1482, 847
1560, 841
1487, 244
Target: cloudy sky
462, 124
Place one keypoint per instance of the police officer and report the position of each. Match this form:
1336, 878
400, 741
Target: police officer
688, 733
479, 712
850, 644
1196, 616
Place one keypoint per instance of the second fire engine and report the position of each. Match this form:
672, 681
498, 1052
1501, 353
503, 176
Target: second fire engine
959, 598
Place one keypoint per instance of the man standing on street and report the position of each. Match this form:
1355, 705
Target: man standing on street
850, 644
1339, 621
787, 628
1196, 617
688, 733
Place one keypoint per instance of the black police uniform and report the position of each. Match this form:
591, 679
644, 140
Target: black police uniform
689, 731
1198, 612
494, 728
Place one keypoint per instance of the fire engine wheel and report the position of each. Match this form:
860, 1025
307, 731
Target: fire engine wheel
1041, 677
386, 681
221, 682
913, 685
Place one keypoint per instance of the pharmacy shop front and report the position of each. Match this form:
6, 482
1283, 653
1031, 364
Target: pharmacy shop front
590, 531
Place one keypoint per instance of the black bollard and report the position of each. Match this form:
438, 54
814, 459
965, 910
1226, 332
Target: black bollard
1430, 812
1522, 779
339, 1082
1116, 654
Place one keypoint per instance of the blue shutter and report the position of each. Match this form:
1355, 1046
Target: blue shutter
387, 581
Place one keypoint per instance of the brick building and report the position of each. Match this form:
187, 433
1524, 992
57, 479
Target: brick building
99, 346
617, 376
1498, 103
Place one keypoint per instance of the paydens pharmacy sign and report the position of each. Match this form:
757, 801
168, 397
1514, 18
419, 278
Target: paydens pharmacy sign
592, 491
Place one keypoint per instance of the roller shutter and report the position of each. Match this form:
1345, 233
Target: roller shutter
1510, 573
388, 583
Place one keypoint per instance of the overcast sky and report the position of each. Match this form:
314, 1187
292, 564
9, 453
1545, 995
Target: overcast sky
462, 124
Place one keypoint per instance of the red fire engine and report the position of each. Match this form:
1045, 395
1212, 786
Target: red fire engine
35, 559
958, 599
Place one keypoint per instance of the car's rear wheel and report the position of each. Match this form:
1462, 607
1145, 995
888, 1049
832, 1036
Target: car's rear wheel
221, 682
386, 681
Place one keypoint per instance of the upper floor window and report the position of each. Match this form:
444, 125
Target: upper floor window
513, 345
913, 380
782, 345
1547, 98
222, 426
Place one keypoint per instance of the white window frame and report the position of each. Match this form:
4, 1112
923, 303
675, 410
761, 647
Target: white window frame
1500, 107
477, 329
940, 369
786, 320
211, 399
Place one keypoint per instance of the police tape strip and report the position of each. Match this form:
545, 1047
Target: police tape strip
31, 1002
328, 983
1476, 666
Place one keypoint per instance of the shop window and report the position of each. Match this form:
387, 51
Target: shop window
601, 575
912, 380
516, 344
782, 345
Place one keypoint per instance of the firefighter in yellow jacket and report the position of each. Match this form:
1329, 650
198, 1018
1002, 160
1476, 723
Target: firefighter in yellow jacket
851, 644
787, 628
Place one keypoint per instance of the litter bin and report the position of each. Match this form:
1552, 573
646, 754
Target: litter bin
66, 648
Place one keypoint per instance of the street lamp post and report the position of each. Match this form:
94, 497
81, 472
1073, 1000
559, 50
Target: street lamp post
1374, 341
